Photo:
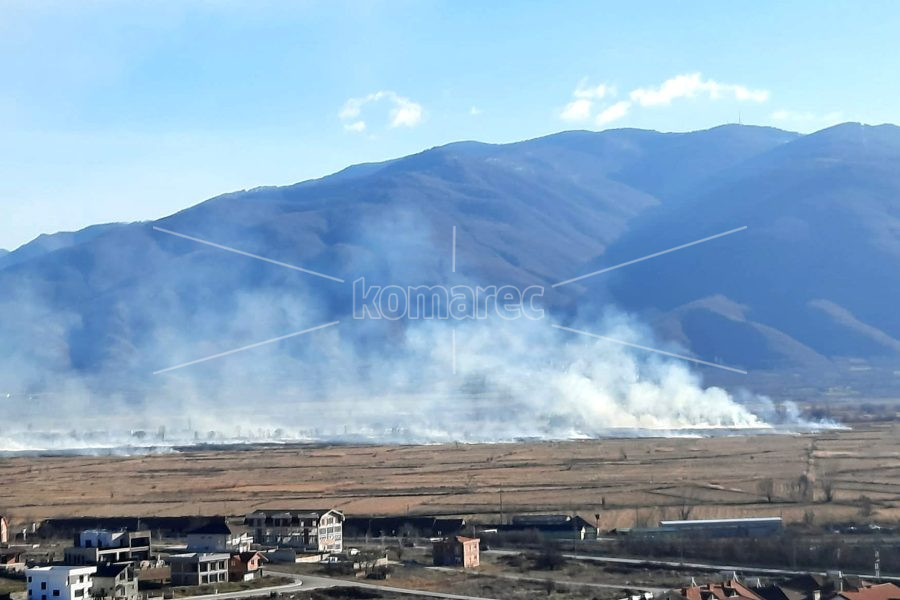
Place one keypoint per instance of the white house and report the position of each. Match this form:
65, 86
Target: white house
218, 536
59, 583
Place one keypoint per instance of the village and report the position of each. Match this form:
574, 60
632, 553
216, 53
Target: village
289, 552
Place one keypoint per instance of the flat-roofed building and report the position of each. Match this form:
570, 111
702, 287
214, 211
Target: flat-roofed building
59, 583
199, 568
115, 582
99, 546
748, 527
456, 551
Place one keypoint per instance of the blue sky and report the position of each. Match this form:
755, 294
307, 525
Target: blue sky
119, 111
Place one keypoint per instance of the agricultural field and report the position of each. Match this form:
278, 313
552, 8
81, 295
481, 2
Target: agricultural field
839, 475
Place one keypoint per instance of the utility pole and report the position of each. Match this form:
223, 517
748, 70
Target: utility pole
501, 507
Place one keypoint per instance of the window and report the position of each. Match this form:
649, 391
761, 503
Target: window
56, 592
43, 585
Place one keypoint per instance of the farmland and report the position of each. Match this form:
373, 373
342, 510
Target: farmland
837, 475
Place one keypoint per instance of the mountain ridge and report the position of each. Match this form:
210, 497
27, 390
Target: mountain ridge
532, 212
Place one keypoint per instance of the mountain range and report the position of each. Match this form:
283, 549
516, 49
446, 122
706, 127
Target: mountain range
806, 294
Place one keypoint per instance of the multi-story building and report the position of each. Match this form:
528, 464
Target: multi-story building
59, 583
219, 536
456, 551
317, 530
98, 546
198, 568
115, 582
246, 566
4, 530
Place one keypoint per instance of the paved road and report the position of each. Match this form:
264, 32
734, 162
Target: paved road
297, 586
671, 564
311, 582
571, 582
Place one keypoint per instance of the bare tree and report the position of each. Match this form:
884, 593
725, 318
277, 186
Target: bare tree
827, 481
802, 489
766, 488
809, 518
827, 484
866, 508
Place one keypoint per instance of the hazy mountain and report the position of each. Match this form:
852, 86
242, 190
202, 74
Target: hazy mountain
47, 243
812, 276
810, 281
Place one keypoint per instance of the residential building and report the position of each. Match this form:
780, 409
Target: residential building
219, 536
724, 528
98, 546
59, 583
198, 568
732, 589
408, 526
4, 530
11, 560
456, 551
115, 582
245, 566
880, 591
812, 586
317, 530
562, 527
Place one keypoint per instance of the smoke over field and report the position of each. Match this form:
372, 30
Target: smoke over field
360, 381
91, 324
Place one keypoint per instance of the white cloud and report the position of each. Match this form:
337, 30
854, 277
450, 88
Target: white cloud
577, 110
613, 113
356, 126
475, 111
403, 112
583, 98
585, 106
597, 92
693, 85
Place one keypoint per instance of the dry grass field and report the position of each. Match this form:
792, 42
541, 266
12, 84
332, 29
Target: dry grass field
639, 480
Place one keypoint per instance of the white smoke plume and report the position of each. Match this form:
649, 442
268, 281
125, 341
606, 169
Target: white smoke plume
362, 380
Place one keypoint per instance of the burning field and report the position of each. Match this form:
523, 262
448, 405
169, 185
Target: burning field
835, 474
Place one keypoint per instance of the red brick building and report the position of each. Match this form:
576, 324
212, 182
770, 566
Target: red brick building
245, 566
456, 551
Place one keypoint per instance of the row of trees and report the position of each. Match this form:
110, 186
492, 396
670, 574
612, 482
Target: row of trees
789, 549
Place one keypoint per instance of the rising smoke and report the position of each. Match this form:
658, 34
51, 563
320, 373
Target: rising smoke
80, 377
